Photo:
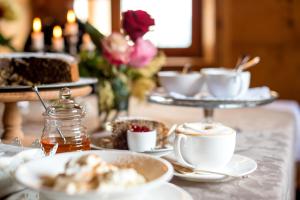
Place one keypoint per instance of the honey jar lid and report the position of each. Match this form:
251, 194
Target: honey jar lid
65, 107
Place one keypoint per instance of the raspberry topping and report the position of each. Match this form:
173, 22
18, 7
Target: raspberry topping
137, 128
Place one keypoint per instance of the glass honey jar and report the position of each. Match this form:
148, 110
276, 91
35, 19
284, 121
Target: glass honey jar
63, 128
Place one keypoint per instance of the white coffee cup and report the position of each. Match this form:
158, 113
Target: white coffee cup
225, 83
141, 141
207, 146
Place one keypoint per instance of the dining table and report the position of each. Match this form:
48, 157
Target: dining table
266, 134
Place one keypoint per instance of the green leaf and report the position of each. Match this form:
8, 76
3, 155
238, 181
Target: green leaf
6, 42
92, 64
95, 35
133, 74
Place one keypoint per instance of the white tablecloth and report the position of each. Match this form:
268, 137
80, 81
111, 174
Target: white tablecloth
268, 135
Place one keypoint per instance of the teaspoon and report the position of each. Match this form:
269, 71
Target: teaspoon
189, 170
35, 89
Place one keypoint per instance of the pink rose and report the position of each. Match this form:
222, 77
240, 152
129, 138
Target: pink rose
116, 49
136, 23
143, 52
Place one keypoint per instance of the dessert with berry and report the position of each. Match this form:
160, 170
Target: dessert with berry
119, 128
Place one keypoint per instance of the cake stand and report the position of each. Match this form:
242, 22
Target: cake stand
10, 95
209, 105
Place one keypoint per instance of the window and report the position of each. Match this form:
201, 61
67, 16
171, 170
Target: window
173, 28
185, 29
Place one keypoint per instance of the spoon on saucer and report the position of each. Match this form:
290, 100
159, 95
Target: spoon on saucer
172, 129
189, 170
167, 147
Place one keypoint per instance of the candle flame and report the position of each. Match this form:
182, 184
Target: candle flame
37, 24
57, 32
71, 17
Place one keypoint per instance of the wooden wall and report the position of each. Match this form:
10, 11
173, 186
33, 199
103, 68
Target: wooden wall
266, 28
51, 10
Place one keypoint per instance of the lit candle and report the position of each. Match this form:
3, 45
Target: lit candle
57, 40
37, 37
71, 27
87, 44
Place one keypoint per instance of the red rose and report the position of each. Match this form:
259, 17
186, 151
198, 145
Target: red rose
136, 23
1, 12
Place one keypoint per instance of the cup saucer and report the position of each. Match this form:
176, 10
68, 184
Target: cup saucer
158, 152
241, 165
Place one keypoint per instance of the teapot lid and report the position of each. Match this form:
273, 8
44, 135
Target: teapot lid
65, 107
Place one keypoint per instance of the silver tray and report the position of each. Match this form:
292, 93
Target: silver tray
81, 82
165, 99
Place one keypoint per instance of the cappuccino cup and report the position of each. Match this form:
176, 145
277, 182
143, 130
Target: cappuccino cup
226, 83
206, 146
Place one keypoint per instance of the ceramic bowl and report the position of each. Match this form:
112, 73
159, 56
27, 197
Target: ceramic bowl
29, 174
141, 141
226, 83
186, 84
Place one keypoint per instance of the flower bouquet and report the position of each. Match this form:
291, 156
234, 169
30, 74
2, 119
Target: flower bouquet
124, 63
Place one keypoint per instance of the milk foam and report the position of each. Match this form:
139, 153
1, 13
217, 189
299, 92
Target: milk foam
204, 129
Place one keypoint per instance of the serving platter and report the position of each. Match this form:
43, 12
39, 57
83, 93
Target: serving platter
81, 82
211, 103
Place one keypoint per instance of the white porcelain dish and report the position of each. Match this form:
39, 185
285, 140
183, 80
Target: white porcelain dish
81, 82
240, 165
141, 141
186, 84
30, 174
165, 191
8, 165
158, 152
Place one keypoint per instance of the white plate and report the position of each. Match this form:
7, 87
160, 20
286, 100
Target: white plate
80, 82
240, 165
166, 191
159, 152
29, 174
9, 163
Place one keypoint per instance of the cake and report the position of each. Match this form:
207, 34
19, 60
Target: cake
37, 68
